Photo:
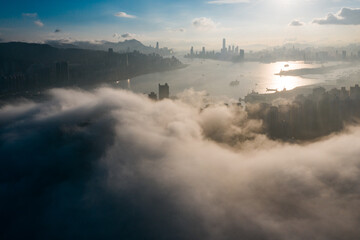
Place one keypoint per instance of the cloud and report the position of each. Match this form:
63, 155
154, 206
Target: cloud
296, 23
124, 15
128, 35
204, 23
57, 30
31, 15
220, 2
111, 163
176, 30
39, 23
346, 16
124, 35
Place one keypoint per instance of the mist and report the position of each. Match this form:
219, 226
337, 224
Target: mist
112, 164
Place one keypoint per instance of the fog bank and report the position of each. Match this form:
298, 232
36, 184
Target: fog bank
111, 164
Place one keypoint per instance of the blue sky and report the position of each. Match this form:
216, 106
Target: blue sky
179, 24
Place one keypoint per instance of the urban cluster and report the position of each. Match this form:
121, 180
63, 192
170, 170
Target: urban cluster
227, 53
307, 117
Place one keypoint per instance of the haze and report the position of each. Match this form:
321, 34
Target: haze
180, 24
180, 120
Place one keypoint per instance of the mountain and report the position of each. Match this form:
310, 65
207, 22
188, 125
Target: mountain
121, 47
31, 66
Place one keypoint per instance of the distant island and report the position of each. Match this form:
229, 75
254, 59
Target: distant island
29, 66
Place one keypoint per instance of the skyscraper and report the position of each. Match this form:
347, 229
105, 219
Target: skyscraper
242, 53
223, 49
157, 45
152, 96
163, 91
192, 51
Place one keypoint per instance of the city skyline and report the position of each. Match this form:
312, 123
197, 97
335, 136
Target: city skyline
179, 24
202, 119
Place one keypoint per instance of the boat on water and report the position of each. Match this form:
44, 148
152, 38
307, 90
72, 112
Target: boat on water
286, 65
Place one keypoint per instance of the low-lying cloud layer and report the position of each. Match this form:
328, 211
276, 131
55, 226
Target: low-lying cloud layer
111, 164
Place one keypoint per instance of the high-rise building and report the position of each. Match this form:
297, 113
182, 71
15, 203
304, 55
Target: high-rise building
223, 49
192, 50
111, 51
157, 45
237, 50
163, 91
153, 96
343, 54
203, 51
355, 92
242, 53
62, 72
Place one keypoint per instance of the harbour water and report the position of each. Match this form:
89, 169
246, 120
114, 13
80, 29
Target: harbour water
217, 77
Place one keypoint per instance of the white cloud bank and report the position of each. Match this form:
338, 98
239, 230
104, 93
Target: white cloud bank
113, 164
346, 16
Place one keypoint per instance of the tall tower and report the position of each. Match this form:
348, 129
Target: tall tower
192, 51
163, 91
224, 44
157, 45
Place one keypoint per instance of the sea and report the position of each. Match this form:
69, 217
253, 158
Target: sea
236, 80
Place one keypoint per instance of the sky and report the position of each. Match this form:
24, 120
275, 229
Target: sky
181, 24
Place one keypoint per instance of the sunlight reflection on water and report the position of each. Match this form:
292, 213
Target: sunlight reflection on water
217, 78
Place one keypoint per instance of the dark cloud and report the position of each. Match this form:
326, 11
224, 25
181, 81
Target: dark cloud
346, 16
57, 30
111, 164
